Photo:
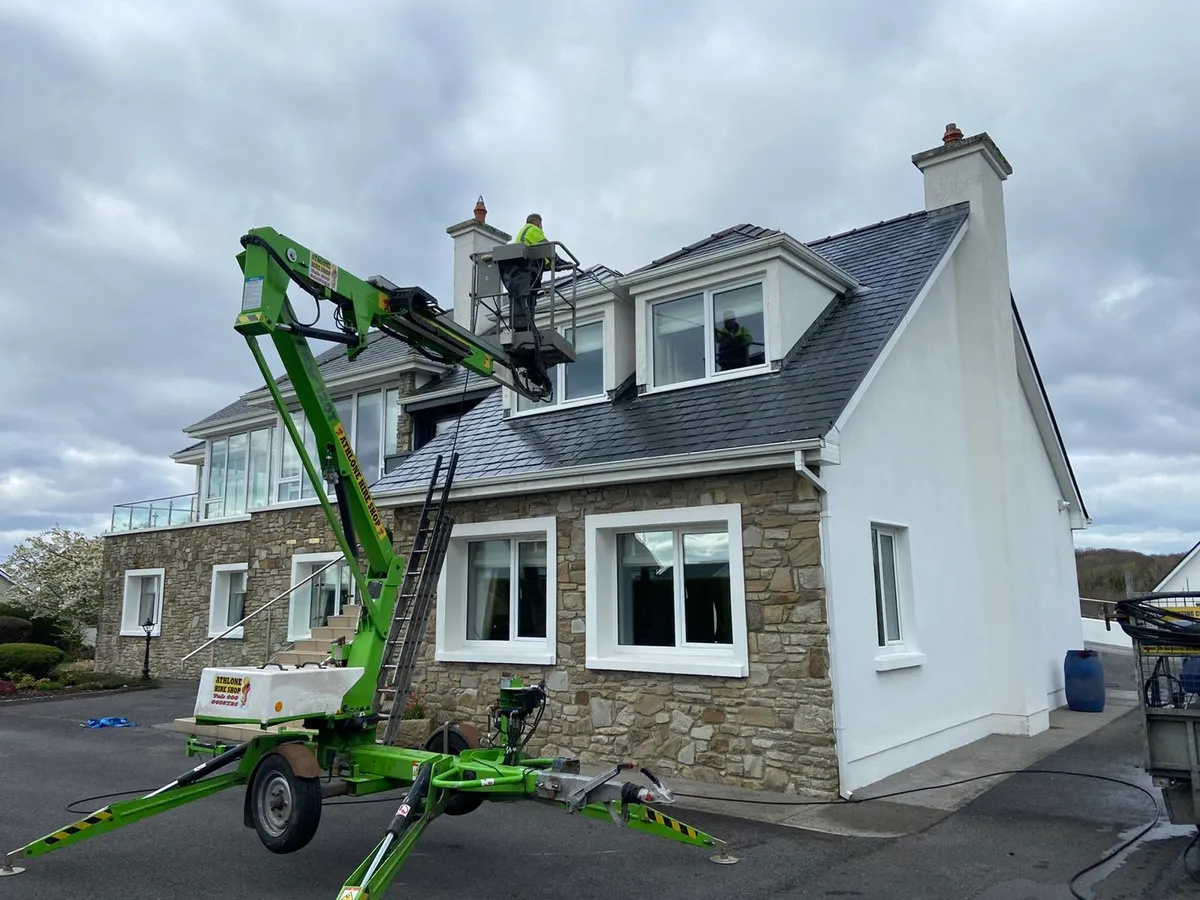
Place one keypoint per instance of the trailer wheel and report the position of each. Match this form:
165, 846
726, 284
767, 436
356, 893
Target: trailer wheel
459, 803
285, 807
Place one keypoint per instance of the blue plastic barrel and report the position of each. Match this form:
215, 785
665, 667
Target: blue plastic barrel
1084, 674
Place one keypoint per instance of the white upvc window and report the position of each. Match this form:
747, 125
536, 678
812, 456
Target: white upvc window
580, 380
238, 474
370, 419
497, 592
895, 612
666, 591
707, 334
142, 602
227, 599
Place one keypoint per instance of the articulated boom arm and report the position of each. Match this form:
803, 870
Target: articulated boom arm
270, 262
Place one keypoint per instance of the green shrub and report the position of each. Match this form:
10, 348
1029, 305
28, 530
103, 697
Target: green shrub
14, 630
46, 684
26, 683
29, 659
47, 630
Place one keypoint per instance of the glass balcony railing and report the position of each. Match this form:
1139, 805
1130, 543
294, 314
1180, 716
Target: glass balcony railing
157, 513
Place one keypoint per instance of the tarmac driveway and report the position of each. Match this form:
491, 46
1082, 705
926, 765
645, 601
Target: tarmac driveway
1022, 840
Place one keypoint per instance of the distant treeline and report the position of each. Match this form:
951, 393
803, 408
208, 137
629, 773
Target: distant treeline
1102, 572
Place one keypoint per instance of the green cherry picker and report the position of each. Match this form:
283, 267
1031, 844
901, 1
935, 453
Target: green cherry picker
338, 720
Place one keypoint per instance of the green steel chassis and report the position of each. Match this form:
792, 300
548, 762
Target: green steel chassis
287, 774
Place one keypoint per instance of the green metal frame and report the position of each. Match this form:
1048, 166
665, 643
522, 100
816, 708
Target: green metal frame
343, 745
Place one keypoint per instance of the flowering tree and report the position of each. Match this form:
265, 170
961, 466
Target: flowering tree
58, 573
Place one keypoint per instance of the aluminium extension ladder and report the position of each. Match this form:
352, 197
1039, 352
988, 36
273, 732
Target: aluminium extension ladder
413, 603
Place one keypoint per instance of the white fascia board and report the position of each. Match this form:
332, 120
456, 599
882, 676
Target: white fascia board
1039, 406
190, 457
683, 465
802, 257
898, 331
234, 425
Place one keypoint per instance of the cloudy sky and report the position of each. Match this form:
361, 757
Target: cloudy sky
143, 138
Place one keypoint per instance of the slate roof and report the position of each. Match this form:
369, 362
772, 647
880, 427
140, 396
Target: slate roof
715, 242
892, 260
333, 362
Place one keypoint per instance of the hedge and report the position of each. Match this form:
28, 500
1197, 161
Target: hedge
29, 659
14, 630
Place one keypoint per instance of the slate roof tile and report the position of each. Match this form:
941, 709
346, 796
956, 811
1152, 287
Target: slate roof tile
801, 400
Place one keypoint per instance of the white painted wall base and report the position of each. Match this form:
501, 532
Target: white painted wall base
877, 766
1094, 632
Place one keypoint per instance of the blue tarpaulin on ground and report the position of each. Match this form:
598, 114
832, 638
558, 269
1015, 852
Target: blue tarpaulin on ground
110, 722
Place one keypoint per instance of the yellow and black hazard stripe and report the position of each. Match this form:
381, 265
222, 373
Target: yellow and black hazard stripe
653, 815
94, 819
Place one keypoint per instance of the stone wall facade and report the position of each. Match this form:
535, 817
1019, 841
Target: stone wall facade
772, 730
187, 555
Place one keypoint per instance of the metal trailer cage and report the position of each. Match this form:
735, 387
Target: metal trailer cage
1165, 631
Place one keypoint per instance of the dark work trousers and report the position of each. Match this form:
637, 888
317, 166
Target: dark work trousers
522, 278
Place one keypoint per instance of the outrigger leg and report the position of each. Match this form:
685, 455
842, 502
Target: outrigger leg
191, 785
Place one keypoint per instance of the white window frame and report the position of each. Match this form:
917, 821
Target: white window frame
131, 602
603, 650
218, 599
319, 560
902, 652
451, 644
710, 354
386, 442
558, 402
203, 500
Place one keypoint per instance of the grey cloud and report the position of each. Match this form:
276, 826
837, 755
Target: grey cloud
151, 142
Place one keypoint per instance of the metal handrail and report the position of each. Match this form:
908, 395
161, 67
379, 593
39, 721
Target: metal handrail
266, 605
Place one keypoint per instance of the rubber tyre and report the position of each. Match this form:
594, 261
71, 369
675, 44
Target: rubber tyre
285, 808
459, 804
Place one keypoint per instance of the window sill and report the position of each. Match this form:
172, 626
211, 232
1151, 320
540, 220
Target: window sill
672, 665
232, 636
515, 413
732, 375
890, 661
140, 633
537, 655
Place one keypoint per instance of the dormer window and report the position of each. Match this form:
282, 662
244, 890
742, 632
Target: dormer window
582, 379
707, 333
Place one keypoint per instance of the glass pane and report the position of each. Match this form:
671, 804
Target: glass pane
368, 433
531, 589
738, 316
310, 447
585, 376
237, 598
147, 599
443, 425
260, 468
887, 561
646, 589
391, 422
235, 480
488, 591
216, 472
677, 332
290, 466
707, 597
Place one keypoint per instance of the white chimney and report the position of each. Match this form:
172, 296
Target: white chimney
973, 169
472, 236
